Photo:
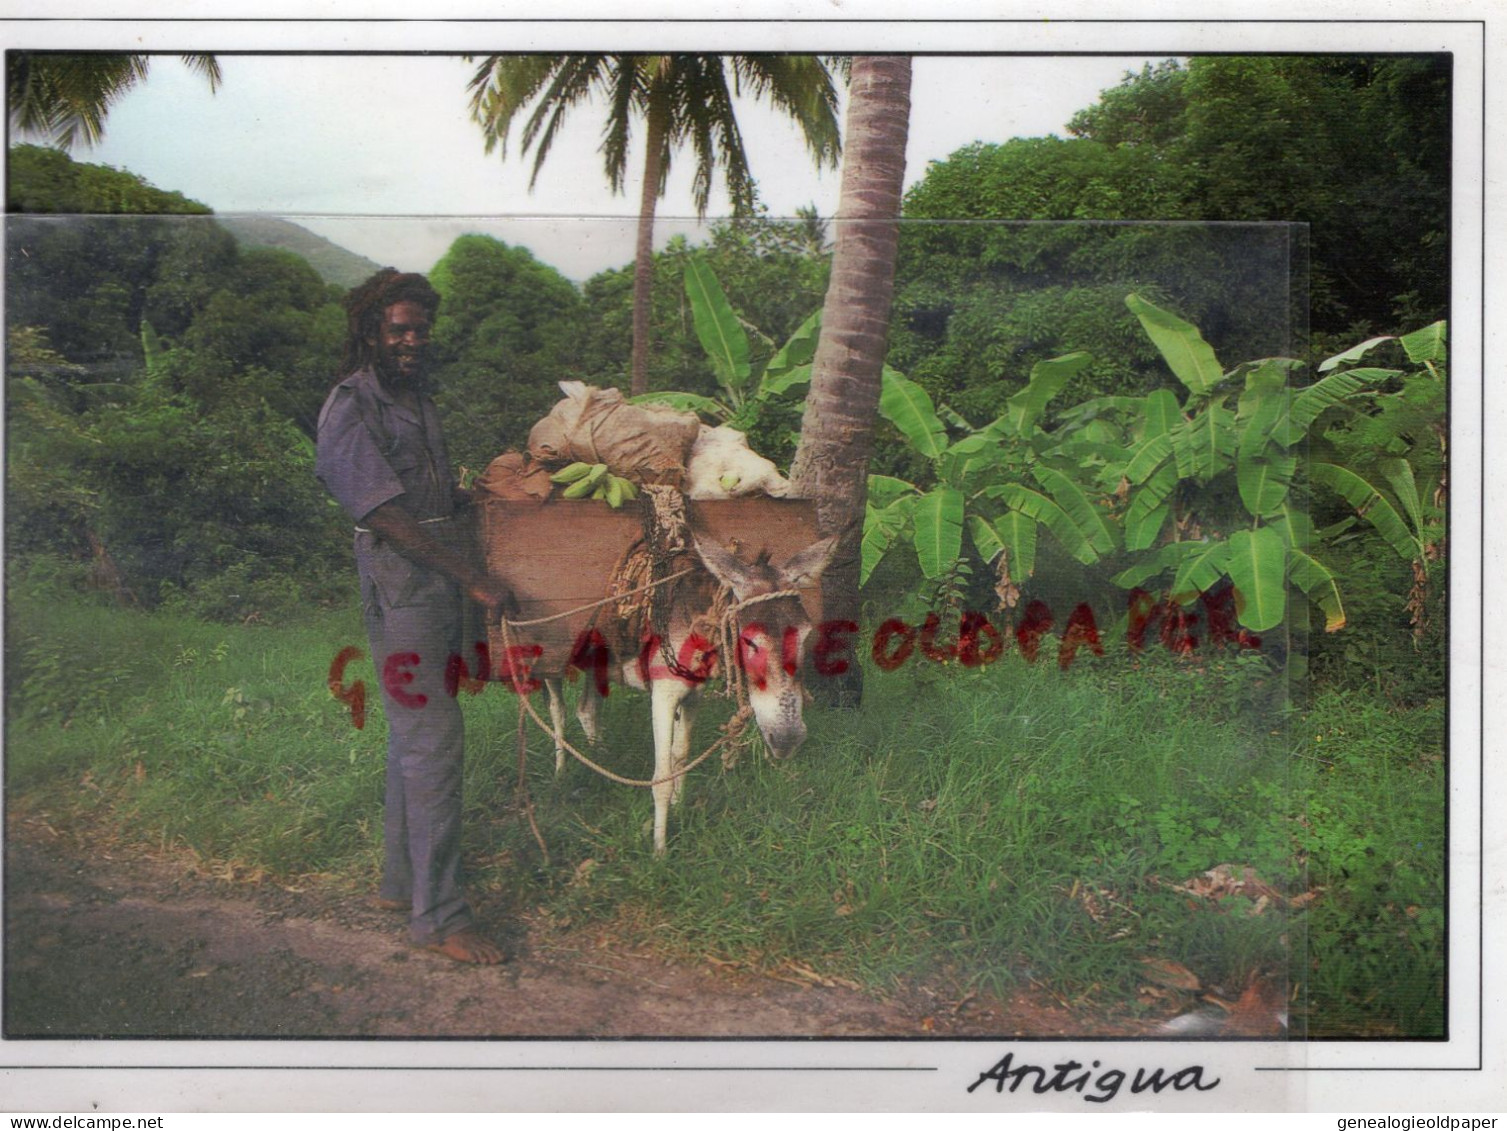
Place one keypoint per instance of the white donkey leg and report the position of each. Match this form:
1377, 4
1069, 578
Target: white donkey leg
680, 746
557, 720
588, 708
665, 697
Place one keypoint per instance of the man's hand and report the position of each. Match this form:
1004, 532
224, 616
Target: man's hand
493, 594
410, 539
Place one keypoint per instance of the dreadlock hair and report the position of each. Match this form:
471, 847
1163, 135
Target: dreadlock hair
365, 305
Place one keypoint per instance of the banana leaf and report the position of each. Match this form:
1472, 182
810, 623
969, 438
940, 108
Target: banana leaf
937, 525
791, 365
1019, 532
1296, 527
951, 416
1168, 557
1257, 565
1095, 407
717, 327
1323, 394
1318, 585
1354, 353
1046, 381
885, 489
1205, 445
1162, 413
1148, 509
1263, 471
1265, 375
784, 382
685, 402
881, 527
986, 540
1200, 570
1399, 474
1190, 358
1372, 505
1087, 517
908, 407
1037, 506
1428, 344
1149, 456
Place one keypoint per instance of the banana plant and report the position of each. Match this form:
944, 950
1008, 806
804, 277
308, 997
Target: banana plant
1244, 429
1371, 467
997, 484
725, 341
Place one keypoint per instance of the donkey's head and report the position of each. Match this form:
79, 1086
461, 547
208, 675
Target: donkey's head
772, 631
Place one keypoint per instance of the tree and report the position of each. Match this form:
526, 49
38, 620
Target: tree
773, 273
1356, 146
269, 328
60, 96
508, 331
977, 304
1231, 147
831, 464
84, 279
680, 98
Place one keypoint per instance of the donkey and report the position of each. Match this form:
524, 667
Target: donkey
772, 627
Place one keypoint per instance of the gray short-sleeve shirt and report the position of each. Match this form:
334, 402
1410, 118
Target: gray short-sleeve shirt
371, 450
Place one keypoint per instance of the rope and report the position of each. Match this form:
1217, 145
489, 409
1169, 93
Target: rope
735, 678
596, 604
665, 533
526, 704
526, 799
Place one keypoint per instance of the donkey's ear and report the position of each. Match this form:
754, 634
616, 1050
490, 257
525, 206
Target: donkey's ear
727, 569
801, 571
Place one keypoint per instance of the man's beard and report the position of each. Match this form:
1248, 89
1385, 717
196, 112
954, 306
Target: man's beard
394, 380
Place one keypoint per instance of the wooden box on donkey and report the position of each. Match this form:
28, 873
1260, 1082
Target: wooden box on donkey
560, 556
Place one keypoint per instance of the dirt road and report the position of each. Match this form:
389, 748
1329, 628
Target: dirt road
106, 940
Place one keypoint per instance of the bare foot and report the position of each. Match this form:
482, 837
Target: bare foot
468, 946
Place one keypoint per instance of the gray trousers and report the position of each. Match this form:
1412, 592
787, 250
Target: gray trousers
410, 646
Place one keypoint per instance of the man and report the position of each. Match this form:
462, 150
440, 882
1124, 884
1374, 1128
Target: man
381, 455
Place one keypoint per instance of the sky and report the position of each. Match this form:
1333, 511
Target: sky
379, 154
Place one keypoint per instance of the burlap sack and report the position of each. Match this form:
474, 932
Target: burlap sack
645, 443
513, 476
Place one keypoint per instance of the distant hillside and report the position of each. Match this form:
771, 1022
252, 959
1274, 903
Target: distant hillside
334, 263
45, 180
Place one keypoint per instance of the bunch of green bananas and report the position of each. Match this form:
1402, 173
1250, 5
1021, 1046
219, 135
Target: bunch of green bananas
593, 480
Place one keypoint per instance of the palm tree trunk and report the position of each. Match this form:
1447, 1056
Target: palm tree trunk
643, 261
831, 464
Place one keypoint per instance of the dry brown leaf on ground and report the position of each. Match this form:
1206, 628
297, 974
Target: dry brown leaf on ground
1166, 972
811, 977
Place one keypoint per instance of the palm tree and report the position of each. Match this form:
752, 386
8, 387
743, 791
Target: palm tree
831, 465
59, 96
680, 99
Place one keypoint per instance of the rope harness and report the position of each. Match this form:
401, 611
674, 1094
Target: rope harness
666, 537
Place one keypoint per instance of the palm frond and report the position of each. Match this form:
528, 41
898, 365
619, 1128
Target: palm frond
627, 96
801, 87
206, 65
62, 96
694, 92
502, 87
572, 84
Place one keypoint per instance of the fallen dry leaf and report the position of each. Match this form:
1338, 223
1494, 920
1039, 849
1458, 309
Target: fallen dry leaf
811, 977
1169, 973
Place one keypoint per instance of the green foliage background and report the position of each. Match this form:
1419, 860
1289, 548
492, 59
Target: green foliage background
162, 386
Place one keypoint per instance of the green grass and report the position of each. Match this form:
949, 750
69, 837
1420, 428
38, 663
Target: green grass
987, 828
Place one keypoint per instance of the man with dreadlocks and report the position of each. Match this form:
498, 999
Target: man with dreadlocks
381, 455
